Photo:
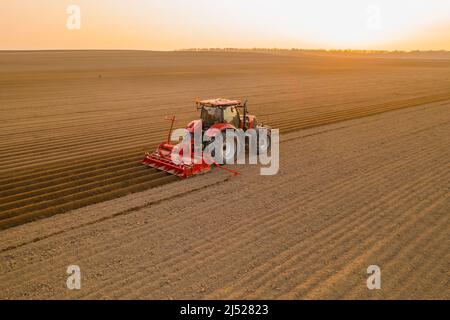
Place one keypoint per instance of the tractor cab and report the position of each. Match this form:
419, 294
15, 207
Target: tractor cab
231, 112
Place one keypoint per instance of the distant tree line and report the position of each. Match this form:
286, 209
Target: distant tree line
313, 50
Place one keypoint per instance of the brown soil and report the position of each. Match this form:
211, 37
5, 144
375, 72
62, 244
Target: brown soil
348, 195
76, 124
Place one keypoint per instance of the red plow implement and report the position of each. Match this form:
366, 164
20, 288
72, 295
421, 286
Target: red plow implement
161, 159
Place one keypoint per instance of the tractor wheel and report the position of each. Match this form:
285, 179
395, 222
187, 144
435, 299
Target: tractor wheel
227, 154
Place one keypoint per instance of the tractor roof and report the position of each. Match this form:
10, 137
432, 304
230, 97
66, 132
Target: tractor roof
219, 102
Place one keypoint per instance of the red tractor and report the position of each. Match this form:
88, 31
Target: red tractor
217, 116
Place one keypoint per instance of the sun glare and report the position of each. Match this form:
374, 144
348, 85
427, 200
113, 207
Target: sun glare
174, 24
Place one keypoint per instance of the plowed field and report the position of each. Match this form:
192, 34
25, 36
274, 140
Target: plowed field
369, 191
74, 125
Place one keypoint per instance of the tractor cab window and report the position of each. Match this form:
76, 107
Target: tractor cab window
231, 116
211, 115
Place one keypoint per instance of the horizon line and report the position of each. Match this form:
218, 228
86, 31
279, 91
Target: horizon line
346, 50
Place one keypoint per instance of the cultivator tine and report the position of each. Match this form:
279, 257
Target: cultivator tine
164, 163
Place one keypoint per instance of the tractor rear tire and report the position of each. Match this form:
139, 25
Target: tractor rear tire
228, 154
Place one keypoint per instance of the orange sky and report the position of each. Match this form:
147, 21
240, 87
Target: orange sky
175, 24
